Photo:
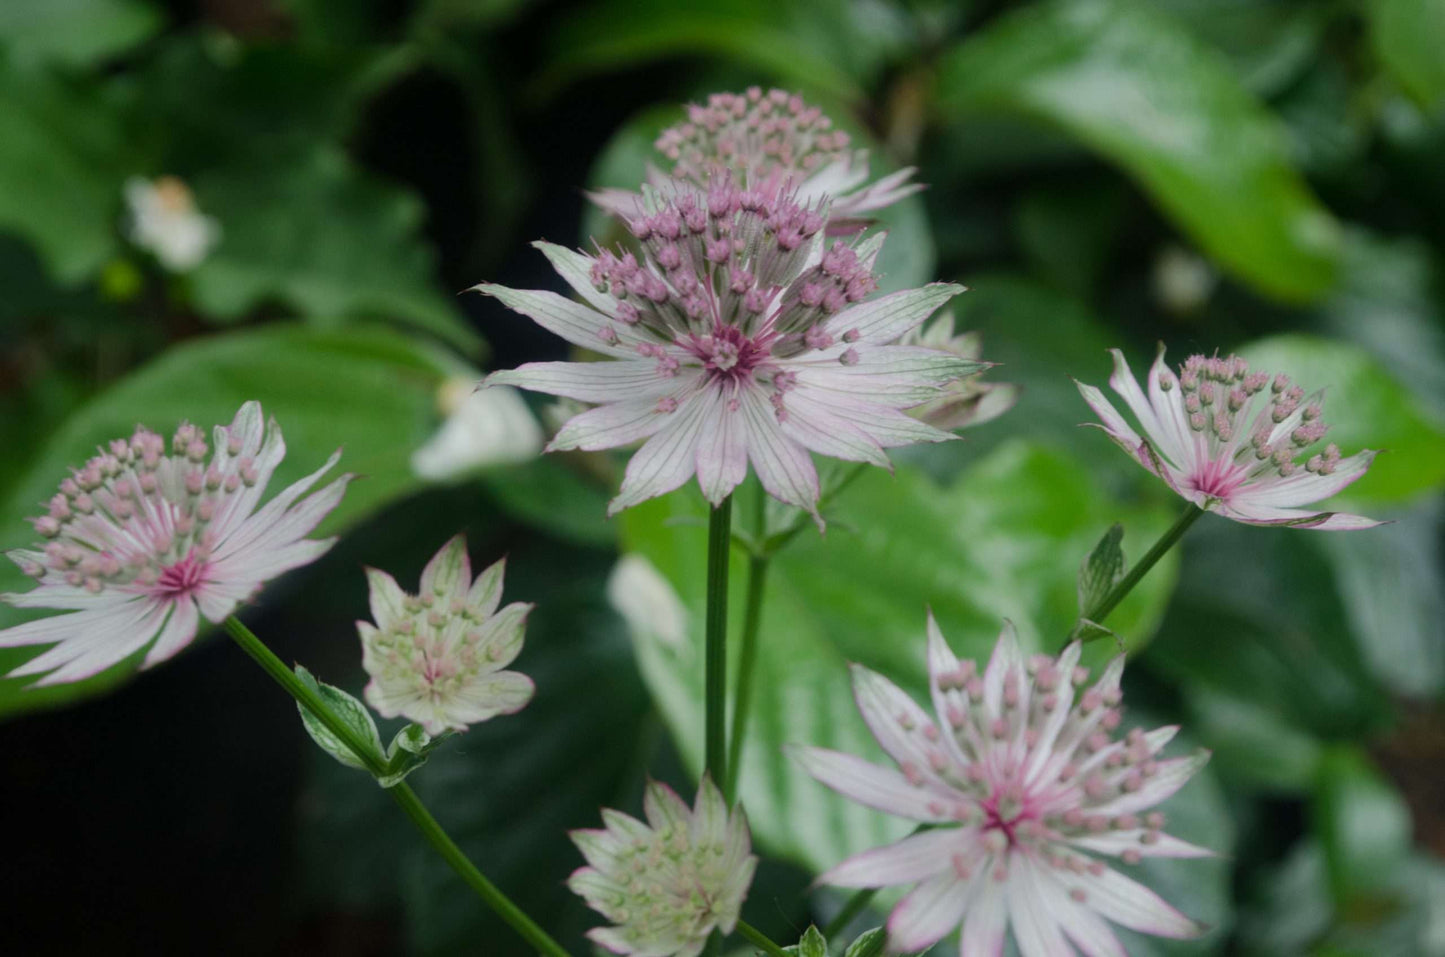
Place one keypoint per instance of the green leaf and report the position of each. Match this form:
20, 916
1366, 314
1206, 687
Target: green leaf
811, 944
309, 380
345, 707
551, 495
1407, 37
1365, 827
66, 145
1102, 569
74, 32
868, 944
835, 46
907, 259
1136, 87
326, 239
1003, 541
1365, 408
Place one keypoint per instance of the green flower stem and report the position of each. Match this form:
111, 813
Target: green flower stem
760, 940
1098, 612
402, 793
475, 879
747, 657
719, 542
293, 686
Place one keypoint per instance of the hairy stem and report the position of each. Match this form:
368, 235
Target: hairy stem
402, 793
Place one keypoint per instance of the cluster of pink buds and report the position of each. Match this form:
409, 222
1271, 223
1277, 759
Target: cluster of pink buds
733, 263
1219, 397
756, 135
133, 513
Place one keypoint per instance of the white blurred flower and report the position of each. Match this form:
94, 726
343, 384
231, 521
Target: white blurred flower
647, 601
1183, 281
483, 428
165, 222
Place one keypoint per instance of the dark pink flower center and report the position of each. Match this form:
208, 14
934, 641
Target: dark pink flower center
729, 353
1005, 811
182, 578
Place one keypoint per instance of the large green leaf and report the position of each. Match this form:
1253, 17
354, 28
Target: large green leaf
1365, 827
1365, 408
325, 238
907, 258
74, 32
831, 45
365, 390
63, 158
1407, 37
1004, 541
1135, 86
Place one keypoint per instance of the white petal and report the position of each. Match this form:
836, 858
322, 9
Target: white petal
1124, 383
611, 380
1268, 515
449, 572
501, 636
986, 921
1007, 659
622, 423
722, 452
664, 808
488, 695
1169, 778
1131, 904
930, 911
578, 324
709, 823
783, 466
900, 725
1032, 912
669, 458
1115, 843
486, 592
884, 319
180, 630
915, 858
1304, 487
881, 788
898, 376
576, 269
388, 601
491, 427
814, 426
106, 638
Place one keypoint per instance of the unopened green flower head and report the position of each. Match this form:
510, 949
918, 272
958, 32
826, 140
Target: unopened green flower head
666, 884
437, 657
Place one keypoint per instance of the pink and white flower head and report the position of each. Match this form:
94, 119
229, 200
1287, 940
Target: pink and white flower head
668, 883
437, 657
1029, 790
739, 336
1241, 443
773, 143
140, 542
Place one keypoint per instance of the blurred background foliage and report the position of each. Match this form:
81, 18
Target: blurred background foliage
1259, 175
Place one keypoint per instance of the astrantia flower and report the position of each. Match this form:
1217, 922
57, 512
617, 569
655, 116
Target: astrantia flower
138, 542
1243, 444
773, 143
437, 657
736, 338
669, 883
968, 401
1028, 789
165, 222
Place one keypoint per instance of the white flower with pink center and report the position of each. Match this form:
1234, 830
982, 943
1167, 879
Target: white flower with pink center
1027, 789
139, 543
438, 657
1242, 443
739, 337
668, 883
772, 142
